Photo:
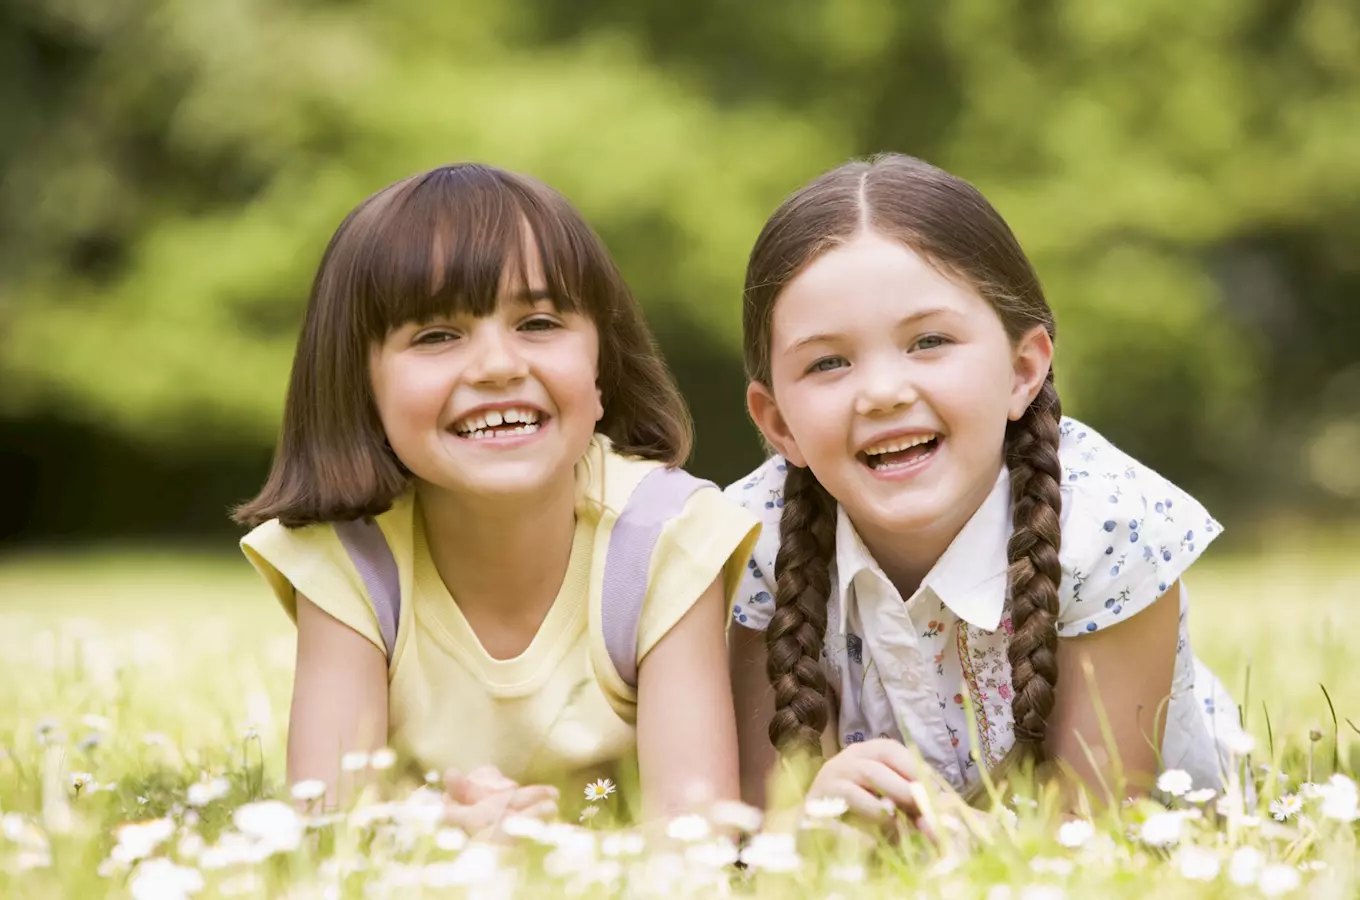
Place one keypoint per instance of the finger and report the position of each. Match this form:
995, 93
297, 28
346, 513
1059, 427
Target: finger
888, 784
896, 756
863, 803
547, 809
522, 798
490, 778
458, 788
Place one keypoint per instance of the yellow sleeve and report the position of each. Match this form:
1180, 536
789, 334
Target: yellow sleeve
313, 562
712, 535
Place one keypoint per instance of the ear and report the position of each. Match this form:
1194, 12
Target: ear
599, 404
765, 413
1030, 363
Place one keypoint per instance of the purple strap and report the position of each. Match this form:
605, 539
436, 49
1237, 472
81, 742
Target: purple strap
658, 498
368, 550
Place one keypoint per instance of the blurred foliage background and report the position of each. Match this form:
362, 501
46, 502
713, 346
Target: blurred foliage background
1186, 177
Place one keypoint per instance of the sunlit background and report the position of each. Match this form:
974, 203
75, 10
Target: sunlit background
1185, 176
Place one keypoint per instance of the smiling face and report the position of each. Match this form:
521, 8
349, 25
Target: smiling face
495, 405
894, 385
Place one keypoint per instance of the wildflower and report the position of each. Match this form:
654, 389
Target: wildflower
354, 762
850, 874
1198, 864
771, 852
1045, 865
734, 814
478, 864
826, 807
1340, 800
712, 854
309, 789
588, 813
432, 777
1175, 782
46, 730
1162, 829
383, 759
189, 846
1075, 833
524, 827
1240, 743
160, 879
140, 839
1245, 866
1277, 879
90, 742
96, 722
1286, 807
274, 826
688, 828
205, 792
599, 790
626, 843
450, 840
81, 780
1204, 795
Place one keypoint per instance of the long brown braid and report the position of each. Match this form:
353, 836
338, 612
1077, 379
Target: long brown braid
951, 224
793, 640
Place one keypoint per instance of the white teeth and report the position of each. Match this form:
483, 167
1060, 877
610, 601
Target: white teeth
482, 433
899, 445
497, 418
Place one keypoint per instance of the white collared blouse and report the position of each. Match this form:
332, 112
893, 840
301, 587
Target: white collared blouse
904, 669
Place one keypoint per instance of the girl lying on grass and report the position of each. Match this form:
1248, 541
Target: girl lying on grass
475, 517
937, 536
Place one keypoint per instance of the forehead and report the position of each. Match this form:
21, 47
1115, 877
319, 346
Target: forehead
870, 282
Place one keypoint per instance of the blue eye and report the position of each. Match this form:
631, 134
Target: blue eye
826, 364
930, 342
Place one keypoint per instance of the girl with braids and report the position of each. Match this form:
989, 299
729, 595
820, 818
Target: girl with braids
936, 535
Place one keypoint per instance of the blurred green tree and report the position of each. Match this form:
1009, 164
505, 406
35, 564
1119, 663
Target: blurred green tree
1185, 176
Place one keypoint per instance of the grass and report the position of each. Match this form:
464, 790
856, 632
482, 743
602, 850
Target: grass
154, 674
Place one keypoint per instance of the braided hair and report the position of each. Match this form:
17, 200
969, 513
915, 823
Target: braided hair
948, 222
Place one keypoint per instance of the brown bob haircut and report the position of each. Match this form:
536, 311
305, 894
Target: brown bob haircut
430, 245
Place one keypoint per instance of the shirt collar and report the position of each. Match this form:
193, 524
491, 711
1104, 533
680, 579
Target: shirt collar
970, 578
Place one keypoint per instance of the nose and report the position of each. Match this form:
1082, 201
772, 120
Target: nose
885, 387
495, 358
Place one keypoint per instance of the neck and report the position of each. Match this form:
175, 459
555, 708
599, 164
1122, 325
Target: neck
907, 557
480, 546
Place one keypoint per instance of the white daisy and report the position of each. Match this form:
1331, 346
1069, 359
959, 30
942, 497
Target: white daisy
1175, 782
1286, 807
599, 790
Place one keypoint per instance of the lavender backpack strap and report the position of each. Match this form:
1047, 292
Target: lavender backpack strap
658, 498
367, 548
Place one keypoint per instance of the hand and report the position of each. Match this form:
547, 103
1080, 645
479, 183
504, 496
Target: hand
877, 779
481, 799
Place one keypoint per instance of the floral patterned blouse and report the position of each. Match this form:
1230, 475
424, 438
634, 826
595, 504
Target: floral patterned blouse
903, 669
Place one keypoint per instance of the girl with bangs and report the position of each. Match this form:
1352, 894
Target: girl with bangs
948, 562
476, 518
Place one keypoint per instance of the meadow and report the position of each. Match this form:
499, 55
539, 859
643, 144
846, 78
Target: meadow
143, 727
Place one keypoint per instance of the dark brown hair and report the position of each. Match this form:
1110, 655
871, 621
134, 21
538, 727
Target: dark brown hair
948, 222
433, 244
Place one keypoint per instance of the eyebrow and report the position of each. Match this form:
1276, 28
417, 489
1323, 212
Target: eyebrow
530, 297
829, 336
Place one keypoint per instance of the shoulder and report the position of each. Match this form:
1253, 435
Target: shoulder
761, 493
1127, 532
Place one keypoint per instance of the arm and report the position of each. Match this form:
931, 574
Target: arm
1131, 664
339, 699
685, 726
754, 702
